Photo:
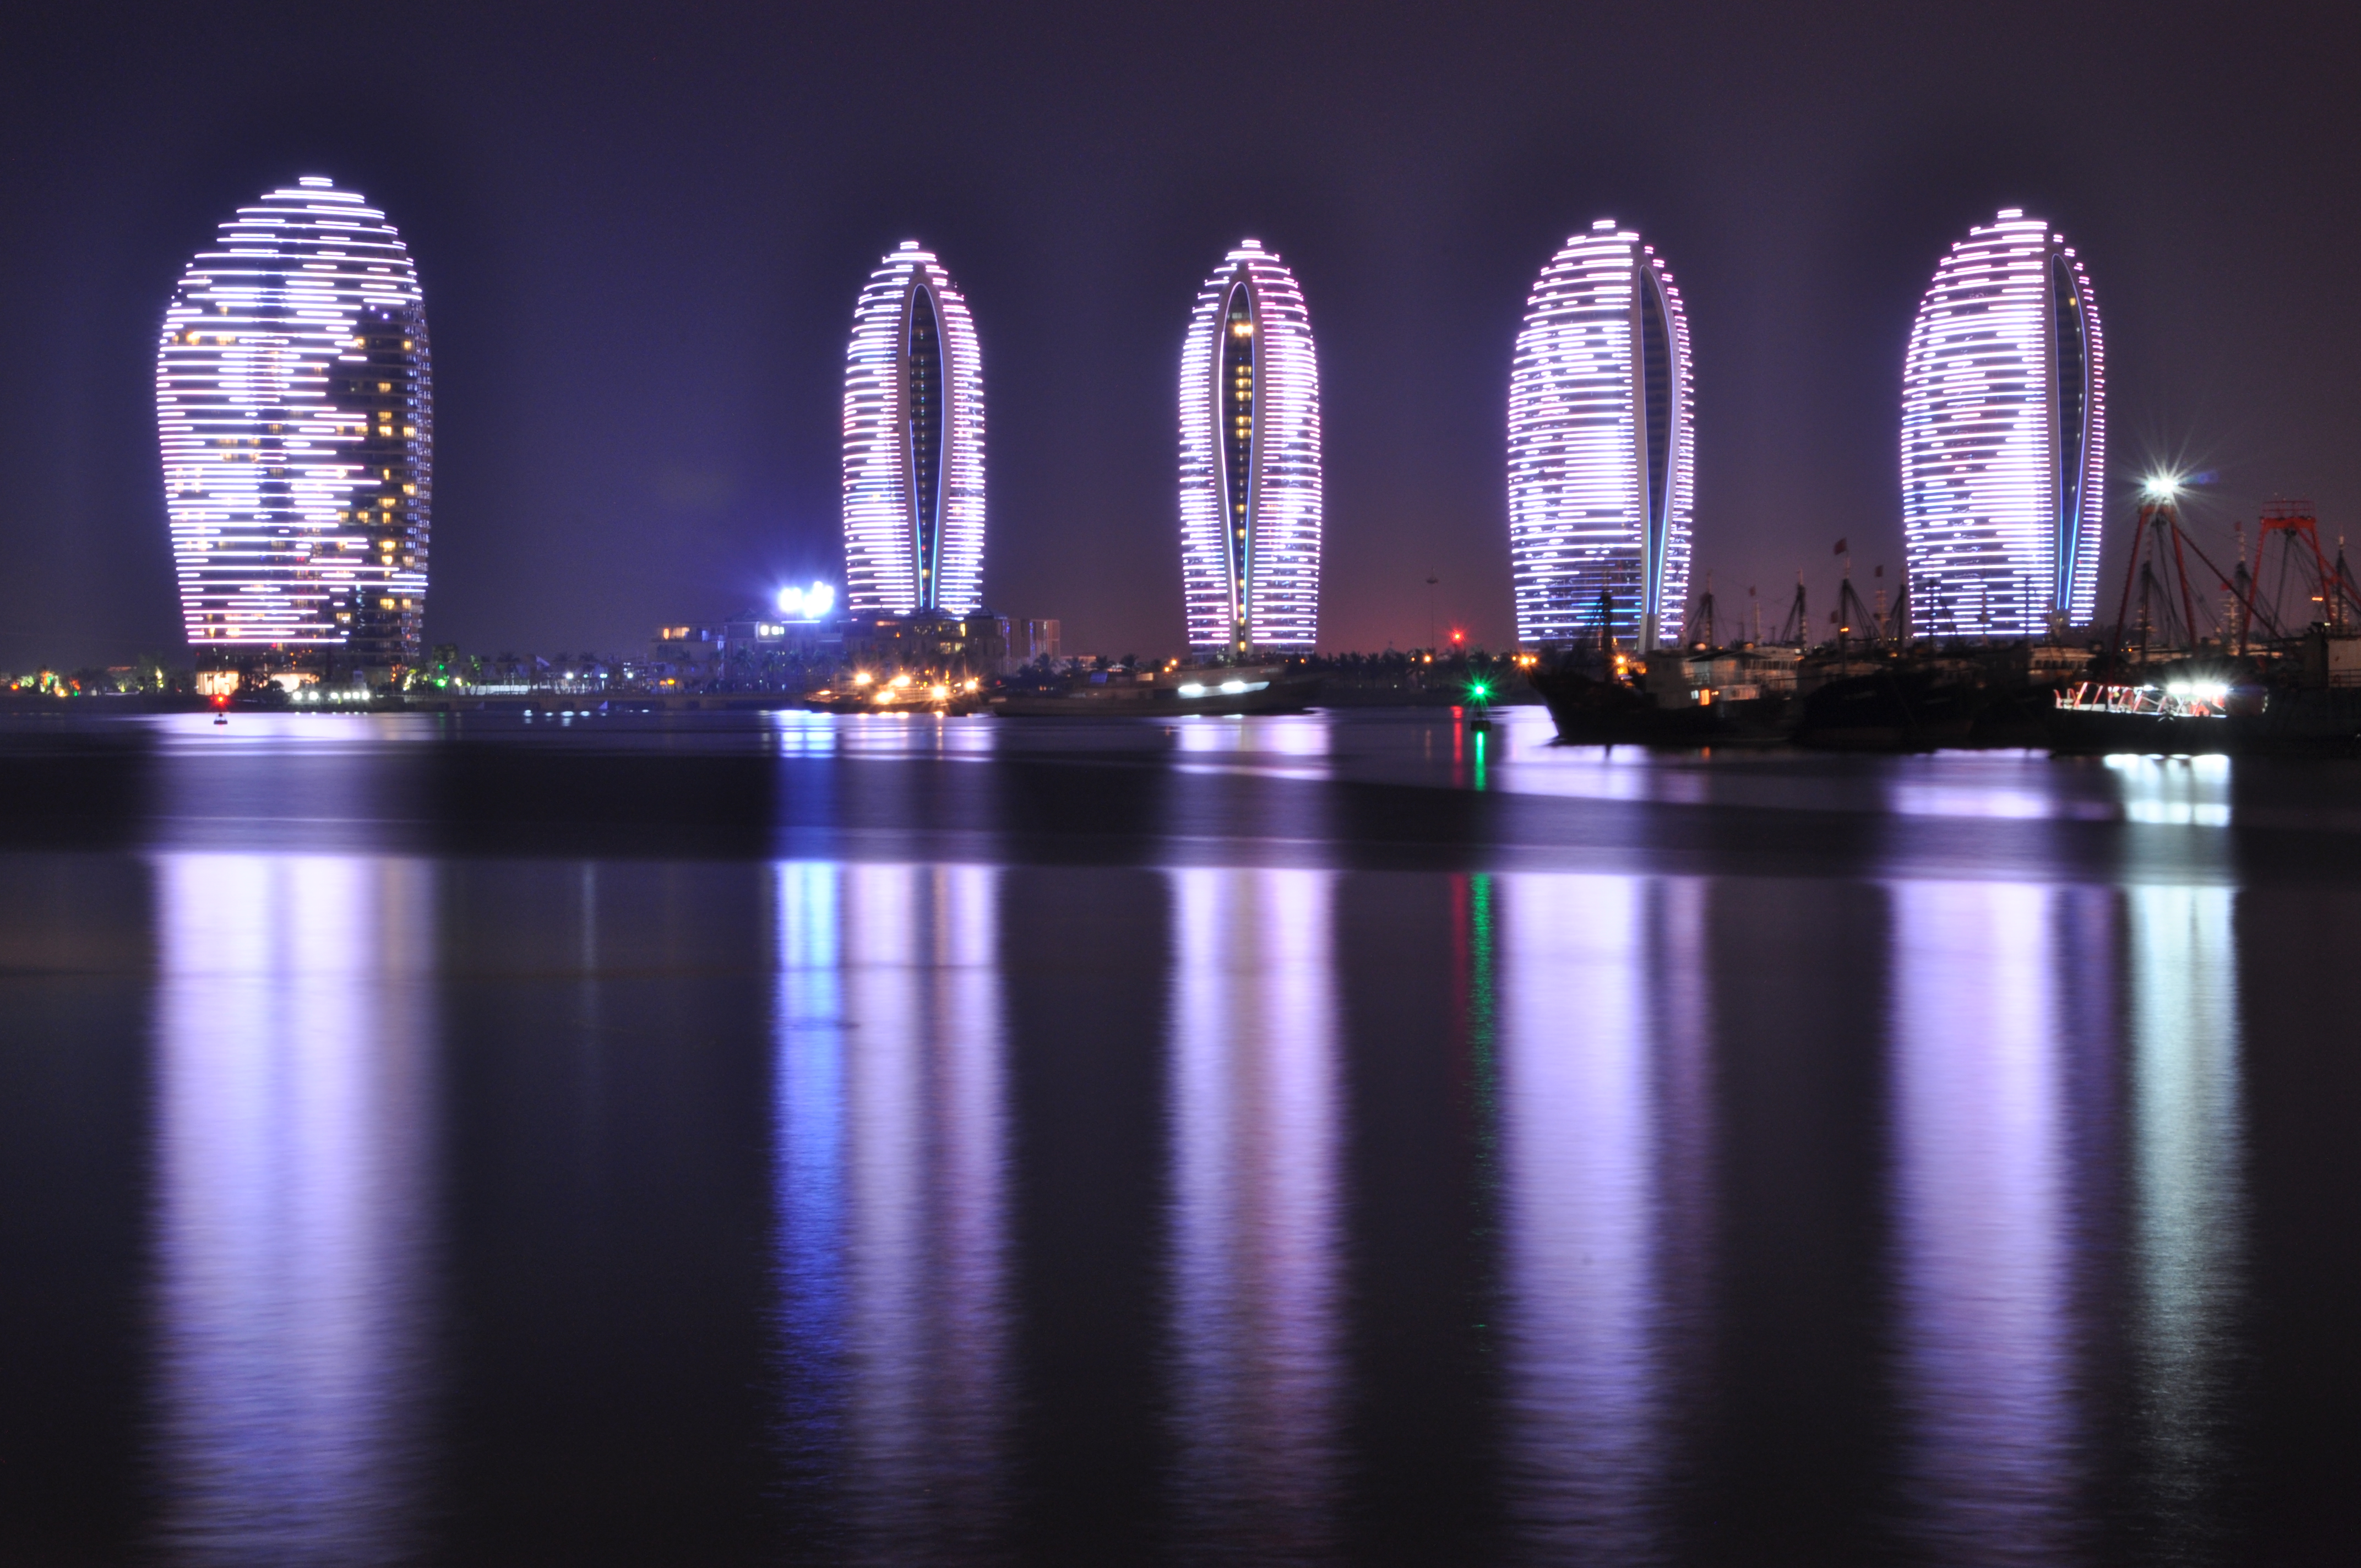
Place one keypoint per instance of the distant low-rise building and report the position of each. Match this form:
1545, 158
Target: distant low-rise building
1038, 640
709, 648
976, 644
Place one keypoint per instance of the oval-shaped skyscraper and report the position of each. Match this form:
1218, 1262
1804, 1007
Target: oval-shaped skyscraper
1601, 470
1250, 462
2004, 438
295, 408
913, 444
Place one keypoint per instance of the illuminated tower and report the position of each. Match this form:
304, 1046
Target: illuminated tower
1601, 469
2004, 438
295, 409
913, 444
1250, 462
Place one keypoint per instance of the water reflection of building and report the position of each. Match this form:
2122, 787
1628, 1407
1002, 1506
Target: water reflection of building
295, 1252
2187, 1200
1254, 1358
890, 1175
1984, 1218
1603, 1050
2181, 791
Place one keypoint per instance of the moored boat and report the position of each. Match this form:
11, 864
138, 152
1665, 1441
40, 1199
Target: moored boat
1165, 693
1676, 698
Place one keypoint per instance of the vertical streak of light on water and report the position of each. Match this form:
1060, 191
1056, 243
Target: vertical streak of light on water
1983, 1223
1683, 1202
2188, 1203
1580, 1130
807, 1163
295, 1206
892, 1153
1255, 1212
1254, 1266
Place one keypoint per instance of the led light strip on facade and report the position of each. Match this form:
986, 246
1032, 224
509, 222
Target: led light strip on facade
913, 444
2004, 438
1250, 462
1601, 465
294, 406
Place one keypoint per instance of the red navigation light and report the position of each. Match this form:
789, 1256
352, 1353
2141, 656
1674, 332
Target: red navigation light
1458, 636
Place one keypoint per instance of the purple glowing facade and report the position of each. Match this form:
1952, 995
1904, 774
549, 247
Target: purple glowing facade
1250, 462
294, 407
1601, 469
913, 444
2004, 438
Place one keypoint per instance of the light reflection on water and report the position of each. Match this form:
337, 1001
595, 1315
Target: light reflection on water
2058, 1143
1254, 1351
796, 732
1982, 1219
2182, 791
295, 1260
2188, 1202
891, 1138
1584, 1079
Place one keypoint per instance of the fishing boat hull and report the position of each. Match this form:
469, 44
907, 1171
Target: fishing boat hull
1165, 697
1589, 711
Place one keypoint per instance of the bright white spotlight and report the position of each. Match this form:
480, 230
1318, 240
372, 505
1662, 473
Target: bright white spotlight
807, 604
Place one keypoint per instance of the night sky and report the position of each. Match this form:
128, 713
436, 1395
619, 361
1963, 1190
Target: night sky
641, 232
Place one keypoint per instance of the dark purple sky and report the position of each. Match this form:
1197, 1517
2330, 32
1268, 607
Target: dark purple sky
642, 230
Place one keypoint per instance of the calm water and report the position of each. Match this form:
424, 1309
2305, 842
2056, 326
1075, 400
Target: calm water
1283, 1140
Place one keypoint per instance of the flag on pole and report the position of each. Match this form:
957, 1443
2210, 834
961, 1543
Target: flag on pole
1842, 545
